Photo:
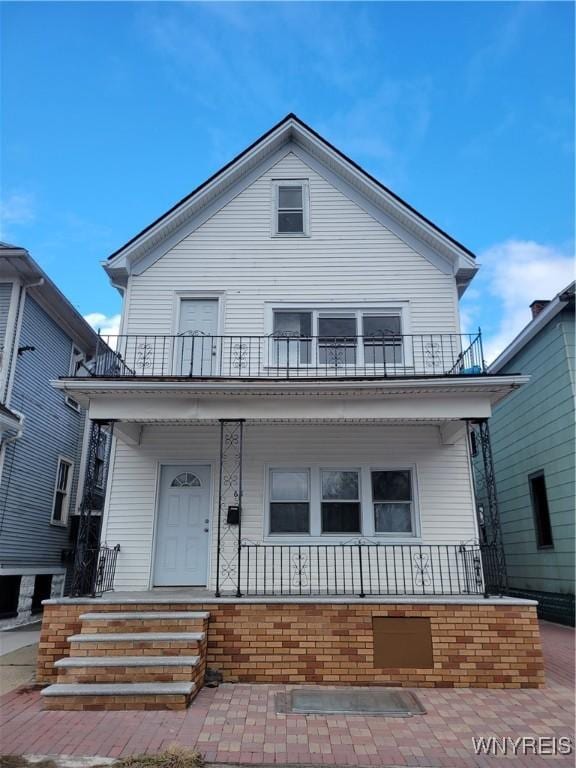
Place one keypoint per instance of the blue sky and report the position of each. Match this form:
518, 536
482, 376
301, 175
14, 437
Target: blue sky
113, 111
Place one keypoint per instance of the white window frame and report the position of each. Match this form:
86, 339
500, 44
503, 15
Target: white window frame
63, 522
358, 471
269, 500
304, 183
77, 357
414, 510
73, 404
317, 310
367, 522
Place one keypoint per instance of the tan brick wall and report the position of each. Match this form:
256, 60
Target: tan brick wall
486, 646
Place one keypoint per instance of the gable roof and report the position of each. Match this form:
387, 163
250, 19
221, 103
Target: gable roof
16, 262
293, 133
562, 300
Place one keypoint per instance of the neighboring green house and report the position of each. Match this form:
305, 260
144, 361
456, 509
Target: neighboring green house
532, 436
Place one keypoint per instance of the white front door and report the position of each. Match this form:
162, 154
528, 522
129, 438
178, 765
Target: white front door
182, 528
197, 348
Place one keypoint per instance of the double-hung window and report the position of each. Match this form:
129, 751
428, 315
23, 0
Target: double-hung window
62, 489
292, 339
392, 500
340, 501
337, 339
382, 340
323, 502
291, 208
290, 501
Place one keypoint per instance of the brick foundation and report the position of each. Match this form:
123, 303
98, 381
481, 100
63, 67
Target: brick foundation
488, 645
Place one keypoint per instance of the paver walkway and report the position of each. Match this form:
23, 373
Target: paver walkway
238, 724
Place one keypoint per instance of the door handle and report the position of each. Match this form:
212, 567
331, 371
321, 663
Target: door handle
205, 530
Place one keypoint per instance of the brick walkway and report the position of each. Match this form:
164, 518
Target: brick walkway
238, 724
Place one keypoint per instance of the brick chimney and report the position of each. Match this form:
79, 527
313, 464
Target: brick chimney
537, 306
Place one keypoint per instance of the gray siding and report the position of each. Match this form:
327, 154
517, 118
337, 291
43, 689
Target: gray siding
533, 430
5, 294
51, 429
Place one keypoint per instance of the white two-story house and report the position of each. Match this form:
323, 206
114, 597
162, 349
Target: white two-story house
290, 392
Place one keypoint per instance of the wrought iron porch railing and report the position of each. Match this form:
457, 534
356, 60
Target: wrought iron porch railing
364, 568
95, 571
286, 357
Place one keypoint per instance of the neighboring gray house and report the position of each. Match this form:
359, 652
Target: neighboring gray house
532, 435
42, 433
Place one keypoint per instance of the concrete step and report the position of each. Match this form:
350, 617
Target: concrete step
136, 643
128, 661
144, 621
130, 669
143, 615
116, 696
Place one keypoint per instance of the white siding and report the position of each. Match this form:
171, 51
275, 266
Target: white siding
349, 257
445, 496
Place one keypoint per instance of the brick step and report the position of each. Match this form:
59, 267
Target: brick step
137, 643
126, 669
144, 621
116, 696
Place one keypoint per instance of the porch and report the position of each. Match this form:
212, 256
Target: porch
295, 509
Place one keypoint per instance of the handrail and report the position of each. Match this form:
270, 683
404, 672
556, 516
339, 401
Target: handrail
365, 568
281, 356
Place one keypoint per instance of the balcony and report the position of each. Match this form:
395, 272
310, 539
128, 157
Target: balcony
286, 357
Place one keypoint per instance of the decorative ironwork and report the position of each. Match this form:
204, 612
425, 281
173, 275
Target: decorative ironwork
240, 356
87, 558
494, 561
422, 569
144, 358
363, 568
433, 355
287, 355
300, 576
229, 550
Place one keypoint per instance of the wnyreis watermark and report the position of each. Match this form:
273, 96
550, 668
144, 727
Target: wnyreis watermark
523, 745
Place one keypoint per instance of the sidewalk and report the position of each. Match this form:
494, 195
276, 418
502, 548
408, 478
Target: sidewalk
238, 724
18, 649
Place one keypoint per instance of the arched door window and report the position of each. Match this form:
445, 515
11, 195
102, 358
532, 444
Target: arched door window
185, 480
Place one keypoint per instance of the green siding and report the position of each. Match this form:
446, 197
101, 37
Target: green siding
533, 429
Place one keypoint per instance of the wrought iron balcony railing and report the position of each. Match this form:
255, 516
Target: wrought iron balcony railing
286, 357
94, 571
364, 568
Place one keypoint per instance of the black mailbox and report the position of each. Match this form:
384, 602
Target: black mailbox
233, 516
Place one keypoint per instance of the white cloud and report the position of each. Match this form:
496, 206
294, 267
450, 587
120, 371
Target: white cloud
107, 325
17, 208
516, 272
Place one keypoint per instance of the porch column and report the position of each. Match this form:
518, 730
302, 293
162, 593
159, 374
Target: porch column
229, 534
87, 539
494, 561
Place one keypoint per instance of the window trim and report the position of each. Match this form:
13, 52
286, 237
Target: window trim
358, 500
414, 516
268, 500
315, 500
305, 184
319, 309
533, 476
73, 404
63, 522
77, 359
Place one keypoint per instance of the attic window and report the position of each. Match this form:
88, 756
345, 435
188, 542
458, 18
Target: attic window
291, 208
